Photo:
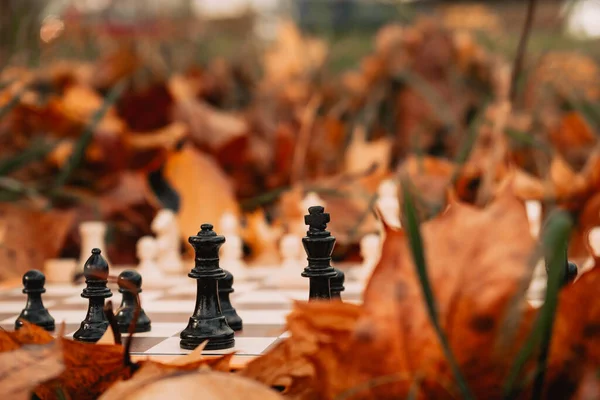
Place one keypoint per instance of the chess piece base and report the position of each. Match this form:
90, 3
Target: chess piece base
215, 330
233, 319
124, 317
91, 332
41, 318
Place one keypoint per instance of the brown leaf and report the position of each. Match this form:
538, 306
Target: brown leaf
199, 181
153, 381
575, 345
18, 252
90, 369
23, 369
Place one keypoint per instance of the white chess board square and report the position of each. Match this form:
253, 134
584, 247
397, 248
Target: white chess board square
169, 306
353, 288
116, 298
263, 317
54, 290
244, 345
161, 329
260, 297
17, 306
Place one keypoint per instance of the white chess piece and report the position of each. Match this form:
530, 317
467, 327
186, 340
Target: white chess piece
93, 235
311, 199
388, 203
534, 215
594, 241
232, 252
292, 263
166, 229
147, 254
370, 251
539, 279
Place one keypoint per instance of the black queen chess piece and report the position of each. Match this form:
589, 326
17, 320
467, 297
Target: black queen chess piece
130, 285
225, 289
34, 311
318, 244
207, 322
95, 323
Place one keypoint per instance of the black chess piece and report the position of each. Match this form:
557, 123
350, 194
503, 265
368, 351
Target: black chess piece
570, 273
95, 323
225, 289
337, 284
207, 322
130, 285
34, 311
318, 244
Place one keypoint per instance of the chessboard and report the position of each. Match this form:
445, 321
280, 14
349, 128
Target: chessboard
169, 304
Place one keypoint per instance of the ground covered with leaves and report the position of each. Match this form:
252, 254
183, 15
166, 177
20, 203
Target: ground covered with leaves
444, 314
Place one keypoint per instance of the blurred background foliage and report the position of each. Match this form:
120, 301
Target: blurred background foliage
188, 32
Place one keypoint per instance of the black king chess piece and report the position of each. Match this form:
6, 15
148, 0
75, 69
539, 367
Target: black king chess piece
207, 322
337, 284
225, 289
34, 311
130, 285
95, 323
318, 244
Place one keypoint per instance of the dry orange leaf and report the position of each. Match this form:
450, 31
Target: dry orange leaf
23, 369
204, 190
18, 253
153, 382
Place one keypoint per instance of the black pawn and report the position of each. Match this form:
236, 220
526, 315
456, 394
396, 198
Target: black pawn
34, 311
225, 289
130, 285
207, 322
337, 284
570, 273
95, 323
318, 244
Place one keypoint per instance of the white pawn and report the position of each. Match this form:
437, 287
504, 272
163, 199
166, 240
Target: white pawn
147, 253
289, 275
537, 287
534, 215
232, 252
388, 203
93, 235
166, 229
594, 241
291, 252
370, 251
311, 199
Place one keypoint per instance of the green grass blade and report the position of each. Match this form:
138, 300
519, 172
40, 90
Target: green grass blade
86, 137
417, 250
468, 143
36, 151
555, 250
554, 238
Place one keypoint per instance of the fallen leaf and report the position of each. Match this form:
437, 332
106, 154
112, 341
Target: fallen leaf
18, 252
23, 369
575, 346
198, 180
152, 382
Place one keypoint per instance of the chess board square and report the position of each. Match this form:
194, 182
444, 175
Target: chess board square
259, 317
161, 329
260, 297
17, 306
57, 290
116, 299
245, 345
353, 288
169, 306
